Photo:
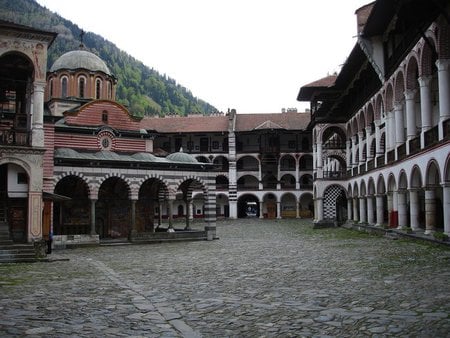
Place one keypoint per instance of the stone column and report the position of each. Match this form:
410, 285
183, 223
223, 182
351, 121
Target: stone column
315, 203
188, 215
319, 209
348, 155
362, 210
446, 207
390, 208
361, 147
93, 232
355, 209
369, 156
314, 157
170, 202
430, 210
414, 209
278, 210
37, 139
410, 106
297, 209
425, 106
390, 130
354, 150
402, 210
349, 208
443, 66
160, 206
380, 210
370, 215
399, 124
319, 156
377, 138
261, 209
133, 216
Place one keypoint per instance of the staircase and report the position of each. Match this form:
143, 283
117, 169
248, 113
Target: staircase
11, 252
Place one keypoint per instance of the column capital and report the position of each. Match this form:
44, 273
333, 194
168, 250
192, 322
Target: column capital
425, 80
410, 94
443, 64
398, 106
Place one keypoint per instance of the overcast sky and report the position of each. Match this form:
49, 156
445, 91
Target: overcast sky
251, 55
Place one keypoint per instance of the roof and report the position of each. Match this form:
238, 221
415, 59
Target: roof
35, 33
307, 91
186, 124
287, 121
80, 59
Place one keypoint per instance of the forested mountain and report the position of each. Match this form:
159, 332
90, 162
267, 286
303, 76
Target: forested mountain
142, 89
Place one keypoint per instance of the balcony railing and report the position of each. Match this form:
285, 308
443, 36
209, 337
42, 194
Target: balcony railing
362, 168
14, 138
431, 136
371, 164
390, 156
401, 151
446, 126
414, 145
335, 175
334, 145
380, 161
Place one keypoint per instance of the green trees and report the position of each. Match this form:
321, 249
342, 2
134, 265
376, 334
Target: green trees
142, 89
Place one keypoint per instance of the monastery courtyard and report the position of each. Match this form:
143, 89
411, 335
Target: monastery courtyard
262, 278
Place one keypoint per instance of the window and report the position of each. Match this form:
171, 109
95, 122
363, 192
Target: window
109, 90
105, 116
81, 86
51, 89
98, 85
64, 87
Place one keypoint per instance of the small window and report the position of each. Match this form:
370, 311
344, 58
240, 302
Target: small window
105, 116
51, 89
98, 86
81, 85
64, 87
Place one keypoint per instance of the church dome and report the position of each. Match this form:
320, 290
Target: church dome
80, 59
181, 157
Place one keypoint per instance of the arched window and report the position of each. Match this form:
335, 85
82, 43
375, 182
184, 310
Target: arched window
50, 91
98, 87
64, 87
81, 86
109, 90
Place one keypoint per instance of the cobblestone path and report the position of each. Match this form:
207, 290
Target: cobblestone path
261, 279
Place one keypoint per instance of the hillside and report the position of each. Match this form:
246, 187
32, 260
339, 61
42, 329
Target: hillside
142, 89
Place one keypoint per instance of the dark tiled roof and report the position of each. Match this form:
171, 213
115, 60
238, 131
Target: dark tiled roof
327, 81
186, 124
288, 121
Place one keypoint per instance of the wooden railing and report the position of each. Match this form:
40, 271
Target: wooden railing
431, 136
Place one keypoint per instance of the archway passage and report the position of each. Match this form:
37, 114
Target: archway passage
72, 217
248, 206
335, 204
113, 209
13, 202
151, 194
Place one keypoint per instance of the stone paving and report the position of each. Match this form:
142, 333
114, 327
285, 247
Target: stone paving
261, 279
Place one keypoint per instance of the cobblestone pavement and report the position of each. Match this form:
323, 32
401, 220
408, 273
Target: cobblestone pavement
261, 279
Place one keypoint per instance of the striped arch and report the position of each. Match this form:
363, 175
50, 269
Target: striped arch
90, 185
399, 87
379, 107
128, 183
